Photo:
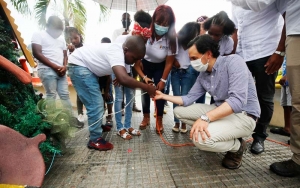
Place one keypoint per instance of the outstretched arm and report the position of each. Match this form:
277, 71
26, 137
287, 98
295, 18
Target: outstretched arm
138, 66
124, 79
174, 99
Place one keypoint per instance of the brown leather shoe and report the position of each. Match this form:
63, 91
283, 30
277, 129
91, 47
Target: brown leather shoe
233, 160
159, 125
145, 122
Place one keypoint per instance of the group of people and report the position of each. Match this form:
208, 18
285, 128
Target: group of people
236, 62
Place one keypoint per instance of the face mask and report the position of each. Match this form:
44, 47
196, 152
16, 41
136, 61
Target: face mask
124, 23
199, 66
160, 30
55, 33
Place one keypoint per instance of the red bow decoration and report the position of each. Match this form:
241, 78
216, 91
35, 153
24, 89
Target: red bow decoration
138, 30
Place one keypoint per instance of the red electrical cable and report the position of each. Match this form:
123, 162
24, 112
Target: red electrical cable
161, 136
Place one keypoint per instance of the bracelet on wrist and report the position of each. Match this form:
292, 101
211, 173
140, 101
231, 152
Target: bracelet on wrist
144, 77
163, 80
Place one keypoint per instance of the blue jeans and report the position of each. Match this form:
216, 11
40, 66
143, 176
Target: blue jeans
182, 81
87, 87
55, 84
118, 106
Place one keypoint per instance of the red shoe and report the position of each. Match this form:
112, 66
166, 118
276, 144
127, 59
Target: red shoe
100, 145
106, 128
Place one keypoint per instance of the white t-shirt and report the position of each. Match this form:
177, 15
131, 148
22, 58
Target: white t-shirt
52, 48
226, 45
158, 50
117, 33
256, 5
183, 58
121, 39
99, 58
258, 32
292, 17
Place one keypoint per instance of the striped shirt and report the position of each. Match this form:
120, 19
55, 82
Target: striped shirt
230, 81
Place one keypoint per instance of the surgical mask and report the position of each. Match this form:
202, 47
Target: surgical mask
160, 30
199, 66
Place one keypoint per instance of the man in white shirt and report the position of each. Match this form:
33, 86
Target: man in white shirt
259, 39
51, 52
290, 167
126, 21
88, 63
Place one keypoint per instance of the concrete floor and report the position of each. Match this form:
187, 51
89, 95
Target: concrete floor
145, 161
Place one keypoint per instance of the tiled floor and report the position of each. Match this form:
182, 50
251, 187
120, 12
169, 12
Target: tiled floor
146, 161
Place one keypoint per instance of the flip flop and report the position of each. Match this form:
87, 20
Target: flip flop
125, 135
134, 132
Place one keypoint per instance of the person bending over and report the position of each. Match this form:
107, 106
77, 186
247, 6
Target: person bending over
88, 63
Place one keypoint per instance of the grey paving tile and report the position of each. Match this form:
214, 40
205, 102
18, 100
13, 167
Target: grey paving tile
146, 161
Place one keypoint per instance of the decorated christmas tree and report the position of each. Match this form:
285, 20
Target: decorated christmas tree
17, 100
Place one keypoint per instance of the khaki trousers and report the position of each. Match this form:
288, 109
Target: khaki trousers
224, 132
293, 73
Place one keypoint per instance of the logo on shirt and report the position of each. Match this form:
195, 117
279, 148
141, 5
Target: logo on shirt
163, 47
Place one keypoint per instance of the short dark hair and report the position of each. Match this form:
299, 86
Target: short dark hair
143, 18
105, 40
205, 43
124, 14
54, 22
221, 19
70, 30
188, 32
135, 44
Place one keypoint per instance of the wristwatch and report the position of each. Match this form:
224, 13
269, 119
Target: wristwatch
280, 53
204, 118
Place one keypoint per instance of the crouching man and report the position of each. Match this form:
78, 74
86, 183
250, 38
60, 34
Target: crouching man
218, 127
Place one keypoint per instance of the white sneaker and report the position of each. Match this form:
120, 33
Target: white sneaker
80, 118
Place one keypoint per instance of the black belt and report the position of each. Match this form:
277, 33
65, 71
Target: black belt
179, 70
252, 116
72, 65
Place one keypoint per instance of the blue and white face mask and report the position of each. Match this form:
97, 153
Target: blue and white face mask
160, 30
